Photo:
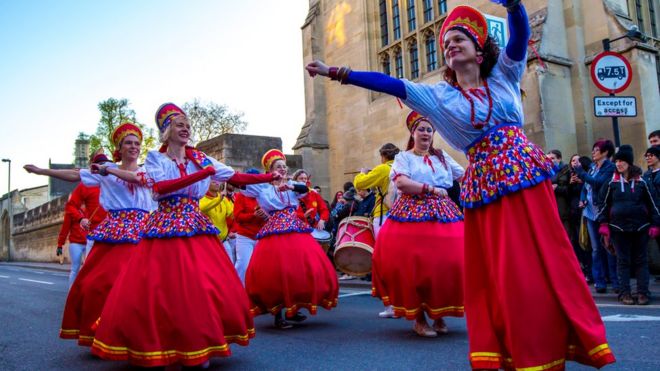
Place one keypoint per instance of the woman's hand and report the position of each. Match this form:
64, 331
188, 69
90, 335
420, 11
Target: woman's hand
32, 169
277, 177
98, 169
285, 187
317, 68
440, 192
320, 225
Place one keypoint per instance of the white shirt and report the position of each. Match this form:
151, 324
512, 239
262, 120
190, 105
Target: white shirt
117, 194
435, 174
270, 199
161, 167
449, 111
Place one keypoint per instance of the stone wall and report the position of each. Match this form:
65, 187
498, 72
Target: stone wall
36, 230
242, 152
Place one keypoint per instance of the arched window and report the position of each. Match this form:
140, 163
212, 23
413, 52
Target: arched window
412, 19
442, 7
385, 64
384, 37
431, 56
428, 10
396, 20
398, 63
414, 61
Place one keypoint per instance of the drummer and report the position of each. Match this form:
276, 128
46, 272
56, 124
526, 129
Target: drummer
423, 234
378, 178
311, 208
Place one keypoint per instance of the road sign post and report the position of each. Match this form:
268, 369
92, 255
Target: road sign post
611, 72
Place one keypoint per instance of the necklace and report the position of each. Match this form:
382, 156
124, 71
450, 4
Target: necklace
279, 195
477, 125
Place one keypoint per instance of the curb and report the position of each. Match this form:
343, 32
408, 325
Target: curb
54, 267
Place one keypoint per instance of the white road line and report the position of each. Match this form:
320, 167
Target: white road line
630, 318
355, 294
4, 276
44, 282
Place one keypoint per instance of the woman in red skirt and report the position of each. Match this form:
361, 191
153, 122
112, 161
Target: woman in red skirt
114, 239
288, 270
179, 299
418, 258
527, 305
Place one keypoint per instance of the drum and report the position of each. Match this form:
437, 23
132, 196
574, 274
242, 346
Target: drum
355, 242
324, 238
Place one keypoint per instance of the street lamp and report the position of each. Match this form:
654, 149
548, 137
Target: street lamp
11, 213
633, 34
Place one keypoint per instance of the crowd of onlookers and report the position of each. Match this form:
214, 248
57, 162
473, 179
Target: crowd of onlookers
610, 209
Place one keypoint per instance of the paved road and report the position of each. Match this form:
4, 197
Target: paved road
350, 337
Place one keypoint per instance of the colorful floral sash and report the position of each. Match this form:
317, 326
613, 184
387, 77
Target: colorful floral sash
502, 161
178, 216
424, 208
121, 226
282, 222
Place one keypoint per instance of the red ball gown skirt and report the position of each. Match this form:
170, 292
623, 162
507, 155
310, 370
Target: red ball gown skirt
289, 270
115, 240
179, 299
527, 303
418, 259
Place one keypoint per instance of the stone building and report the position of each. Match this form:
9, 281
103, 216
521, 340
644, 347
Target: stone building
242, 152
345, 126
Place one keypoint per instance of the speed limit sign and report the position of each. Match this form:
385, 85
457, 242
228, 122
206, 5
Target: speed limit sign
611, 72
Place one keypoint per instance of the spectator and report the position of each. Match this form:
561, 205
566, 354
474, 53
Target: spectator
628, 214
311, 208
599, 174
338, 196
651, 176
560, 183
654, 138
366, 201
575, 186
220, 210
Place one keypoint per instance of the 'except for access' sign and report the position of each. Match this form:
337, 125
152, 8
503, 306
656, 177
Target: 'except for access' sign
615, 106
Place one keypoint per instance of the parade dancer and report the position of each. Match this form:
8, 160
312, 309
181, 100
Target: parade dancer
288, 270
526, 303
179, 299
249, 218
114, 238
418, 258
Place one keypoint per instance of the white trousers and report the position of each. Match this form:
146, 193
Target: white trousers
244, 248
378, 227
230, 248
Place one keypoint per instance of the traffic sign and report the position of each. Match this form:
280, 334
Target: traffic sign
615, 106
611, 72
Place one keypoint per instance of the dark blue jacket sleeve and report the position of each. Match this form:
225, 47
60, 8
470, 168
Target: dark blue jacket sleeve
377, 81
519, 33
600, 178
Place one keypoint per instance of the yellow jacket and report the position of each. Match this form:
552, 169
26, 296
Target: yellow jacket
378, 177
219, 209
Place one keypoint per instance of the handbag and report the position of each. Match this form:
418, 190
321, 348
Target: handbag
583, 238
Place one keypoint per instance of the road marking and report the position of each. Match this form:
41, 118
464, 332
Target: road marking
629, 318
4, 276
44, 282
355, 294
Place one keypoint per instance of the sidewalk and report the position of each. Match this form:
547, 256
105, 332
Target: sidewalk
39, 265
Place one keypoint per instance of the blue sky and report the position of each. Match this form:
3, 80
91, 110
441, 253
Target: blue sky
61, 58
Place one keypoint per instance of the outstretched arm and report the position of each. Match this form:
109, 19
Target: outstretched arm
375, 81
69, 175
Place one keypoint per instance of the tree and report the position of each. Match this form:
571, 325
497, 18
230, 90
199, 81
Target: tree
113, 113
209, 120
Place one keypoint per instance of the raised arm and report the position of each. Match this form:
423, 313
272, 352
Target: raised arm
375, 81
69, 175
519, 31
